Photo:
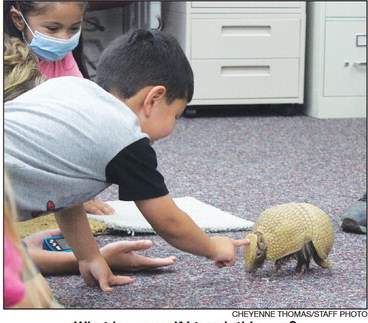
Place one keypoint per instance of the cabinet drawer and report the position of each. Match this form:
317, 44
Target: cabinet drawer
346, 9
239, 79
245, 38
345, 58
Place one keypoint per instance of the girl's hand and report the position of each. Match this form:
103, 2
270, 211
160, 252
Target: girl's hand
225, 250
120, 257
35, 240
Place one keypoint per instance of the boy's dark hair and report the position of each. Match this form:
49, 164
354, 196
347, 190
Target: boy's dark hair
143, 58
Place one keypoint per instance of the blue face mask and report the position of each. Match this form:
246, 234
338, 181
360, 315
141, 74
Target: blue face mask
49, 48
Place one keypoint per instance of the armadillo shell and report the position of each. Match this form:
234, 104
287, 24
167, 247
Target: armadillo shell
286, 228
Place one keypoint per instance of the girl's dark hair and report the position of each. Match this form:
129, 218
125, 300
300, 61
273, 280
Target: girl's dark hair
143, 58
25, 7
38, 8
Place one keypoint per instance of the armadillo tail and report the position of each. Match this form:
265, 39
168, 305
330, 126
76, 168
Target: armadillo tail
319, 261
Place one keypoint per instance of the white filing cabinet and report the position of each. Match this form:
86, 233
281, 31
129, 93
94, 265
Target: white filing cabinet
336, 59
241, 52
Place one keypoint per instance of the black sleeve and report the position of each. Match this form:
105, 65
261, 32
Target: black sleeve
134, 169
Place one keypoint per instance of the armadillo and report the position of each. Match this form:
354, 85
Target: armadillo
287, 231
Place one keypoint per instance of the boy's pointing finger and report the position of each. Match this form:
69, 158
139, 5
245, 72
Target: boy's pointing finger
241, 242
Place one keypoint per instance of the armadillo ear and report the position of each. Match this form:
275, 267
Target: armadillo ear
261, 242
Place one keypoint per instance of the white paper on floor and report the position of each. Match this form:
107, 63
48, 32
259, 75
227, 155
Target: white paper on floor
128, 218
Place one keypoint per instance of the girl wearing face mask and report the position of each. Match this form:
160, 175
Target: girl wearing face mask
52, 31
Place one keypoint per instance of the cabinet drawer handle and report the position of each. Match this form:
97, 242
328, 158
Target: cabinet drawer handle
360, 63
246, 30
245, 70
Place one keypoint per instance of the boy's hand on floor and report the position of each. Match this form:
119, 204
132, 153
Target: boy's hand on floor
225, 250
96, 271
120, 257
98, 207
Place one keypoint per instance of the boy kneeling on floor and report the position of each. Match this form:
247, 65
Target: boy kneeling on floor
68, 139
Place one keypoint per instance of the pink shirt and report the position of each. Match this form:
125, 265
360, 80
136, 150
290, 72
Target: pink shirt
13, 285
64, 67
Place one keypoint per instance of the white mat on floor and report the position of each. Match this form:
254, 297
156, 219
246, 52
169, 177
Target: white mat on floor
210, 219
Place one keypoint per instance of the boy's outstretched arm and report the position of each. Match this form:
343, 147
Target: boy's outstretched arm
92, 266
178, 229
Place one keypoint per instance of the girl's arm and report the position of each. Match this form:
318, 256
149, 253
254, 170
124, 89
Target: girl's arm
120, 255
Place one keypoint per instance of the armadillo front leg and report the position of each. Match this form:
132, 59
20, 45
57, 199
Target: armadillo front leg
280, 262
276, 267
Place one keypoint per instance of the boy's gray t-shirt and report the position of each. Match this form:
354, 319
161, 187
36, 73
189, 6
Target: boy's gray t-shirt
68, 139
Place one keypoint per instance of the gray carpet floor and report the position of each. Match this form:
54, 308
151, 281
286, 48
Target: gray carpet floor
244, 163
